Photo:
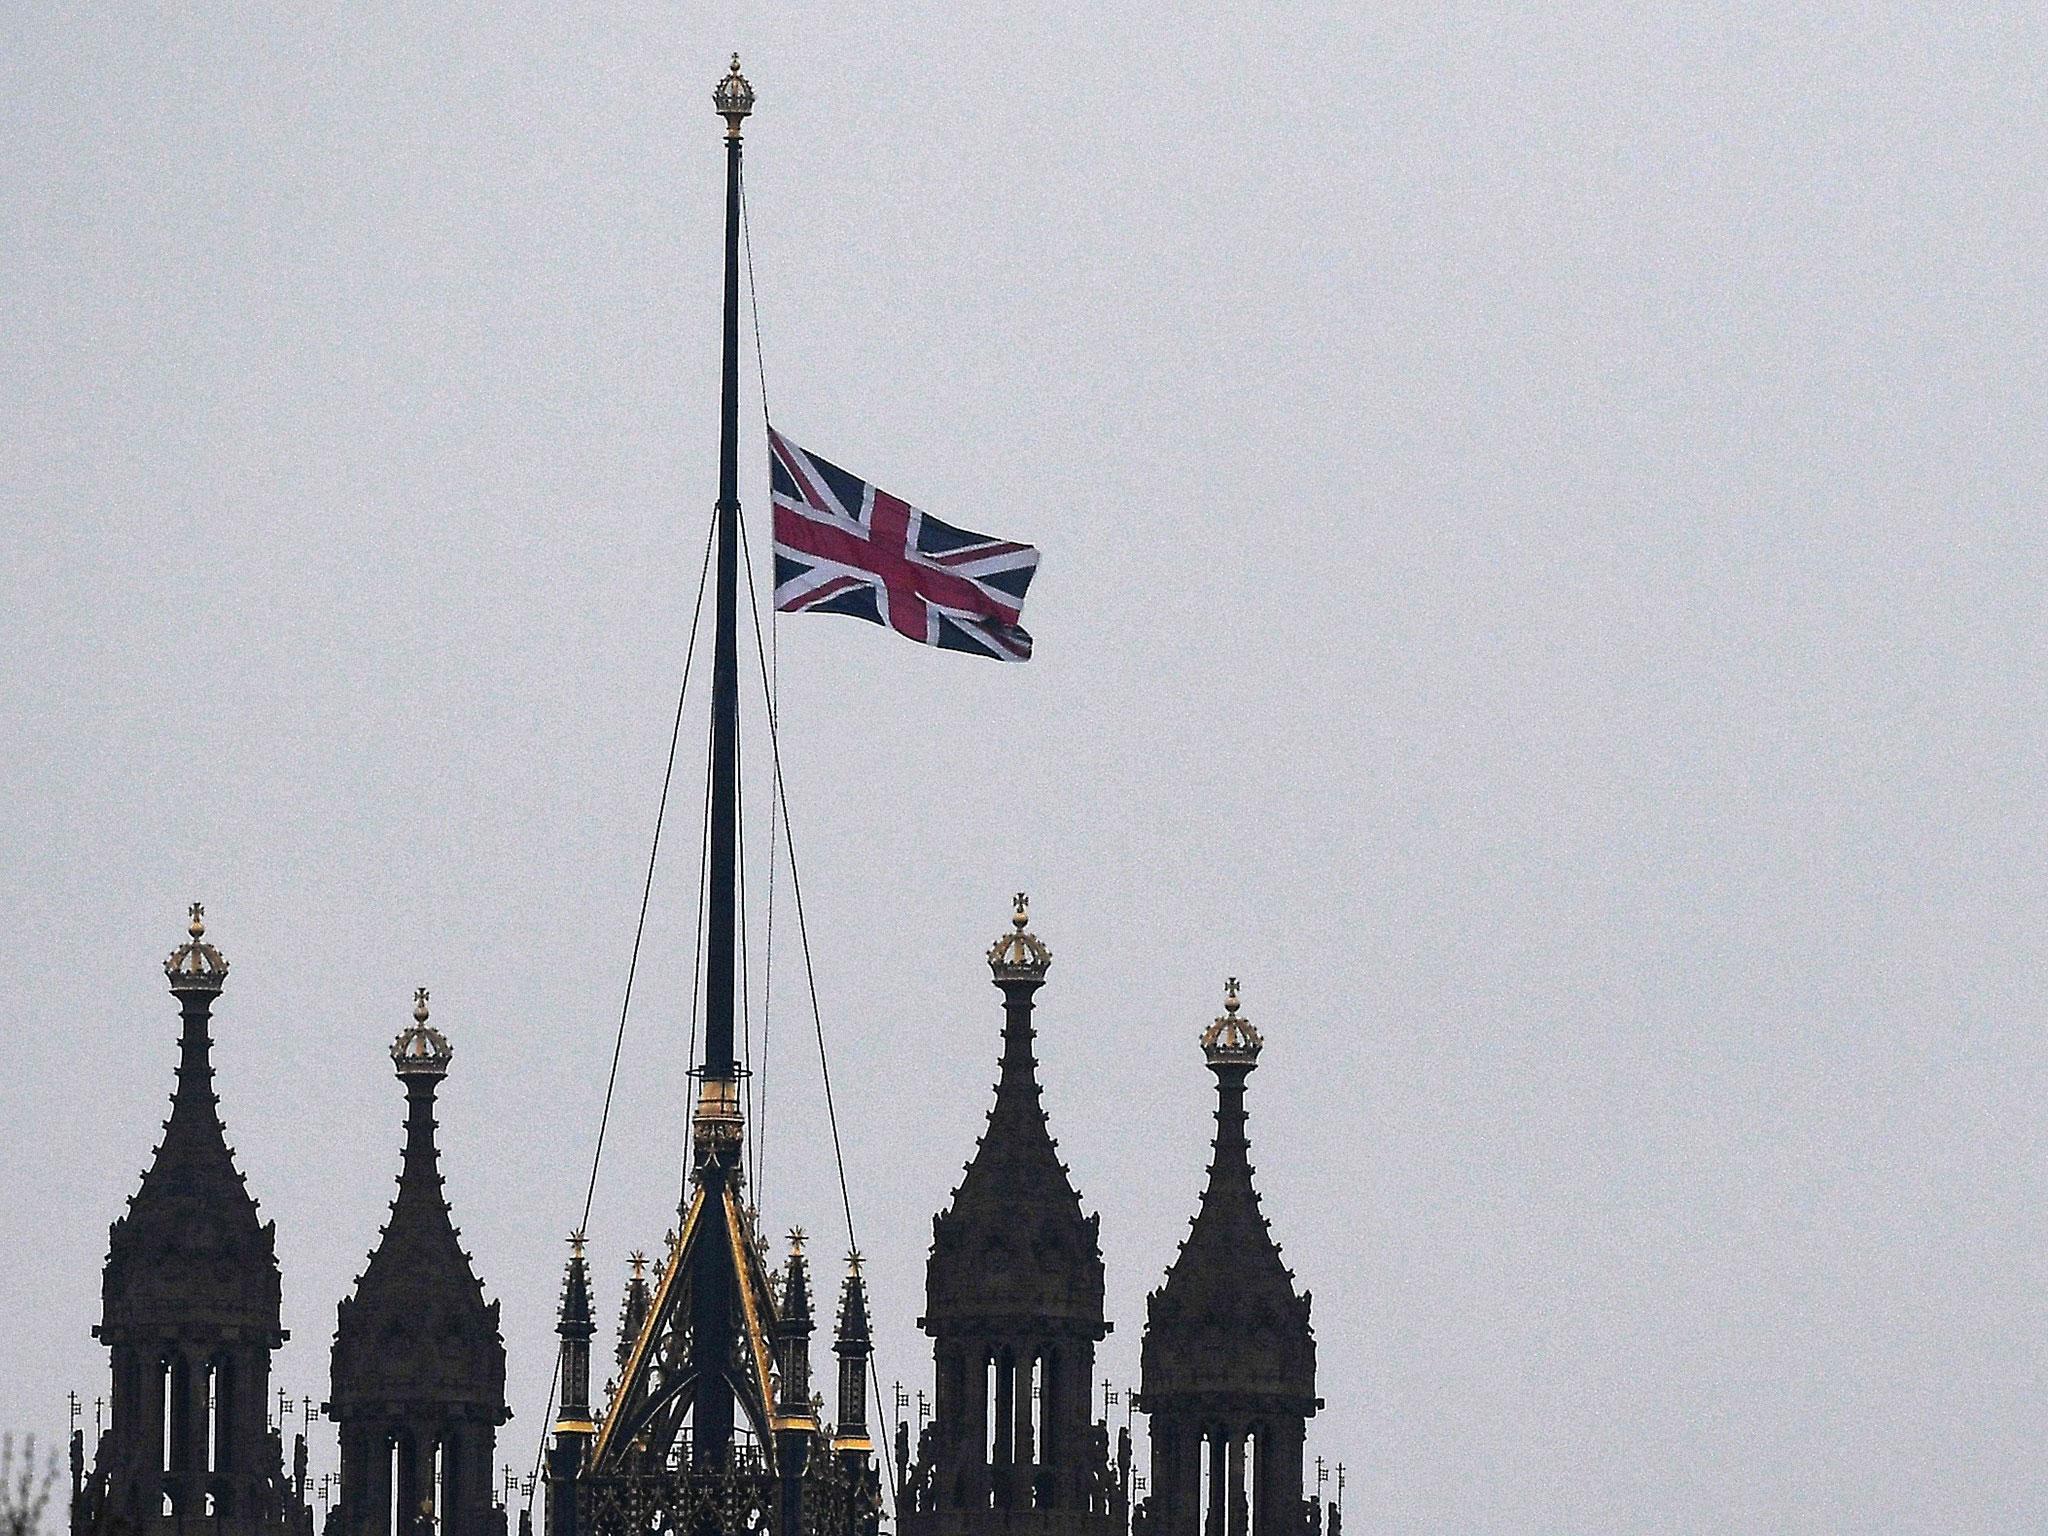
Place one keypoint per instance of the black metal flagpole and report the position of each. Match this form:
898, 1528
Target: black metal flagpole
735, 100
718, 1125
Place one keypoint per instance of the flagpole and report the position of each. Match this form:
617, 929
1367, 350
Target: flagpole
725, 725
717, 1129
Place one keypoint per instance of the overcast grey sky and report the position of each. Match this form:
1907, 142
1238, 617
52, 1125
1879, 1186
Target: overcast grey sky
1543, 578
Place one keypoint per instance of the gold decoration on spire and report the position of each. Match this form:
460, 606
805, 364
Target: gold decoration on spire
1231, 1040
1019, 955
196, 966
734, 99
421, 1050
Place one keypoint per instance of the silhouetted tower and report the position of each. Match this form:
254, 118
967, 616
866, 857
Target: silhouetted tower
1013, 1302
191, 1308
796, 1417
574, 1427
1228, 1366
633, 1311
853, 1342
418, 1384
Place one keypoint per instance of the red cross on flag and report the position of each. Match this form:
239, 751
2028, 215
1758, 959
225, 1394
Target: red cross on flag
844, 546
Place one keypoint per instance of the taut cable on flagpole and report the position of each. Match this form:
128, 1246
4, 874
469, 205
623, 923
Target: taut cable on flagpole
647, 888
781, 799
772, 668
632, 969
779, 802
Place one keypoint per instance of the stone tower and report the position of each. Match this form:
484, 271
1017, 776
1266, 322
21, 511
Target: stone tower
1228, 1366
1013, 1303
418, 1385
190, 1313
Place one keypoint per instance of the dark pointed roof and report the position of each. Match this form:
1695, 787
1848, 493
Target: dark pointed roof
1228, 1322
1014, 1244
572, 1316
853, 1336
192, 1252
417, 1329
793, 1317
633, 1312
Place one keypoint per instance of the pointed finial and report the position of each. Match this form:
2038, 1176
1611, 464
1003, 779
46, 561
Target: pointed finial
196, 966
853, 1336
734, 99
796, 1240
1231, 1040
638, 1260
572, 1319
1019, 955
421, 1050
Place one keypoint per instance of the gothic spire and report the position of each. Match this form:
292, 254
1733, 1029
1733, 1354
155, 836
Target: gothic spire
574, 1327
633, 1312
1228, 1318
192, 1250
417, 1329
1015, 1241
794, 1325
191, 1316
853, 1343
852, 1336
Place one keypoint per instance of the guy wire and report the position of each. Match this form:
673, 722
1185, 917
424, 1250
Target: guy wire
632, 968
758, 1125
796, 888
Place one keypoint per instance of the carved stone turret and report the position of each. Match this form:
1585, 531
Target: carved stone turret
418, 1385
191, 1309
1013, 1302
1229, 1359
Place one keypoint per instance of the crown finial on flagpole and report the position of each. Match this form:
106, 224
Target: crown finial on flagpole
734, 99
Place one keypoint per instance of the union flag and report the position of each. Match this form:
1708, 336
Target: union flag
844, 546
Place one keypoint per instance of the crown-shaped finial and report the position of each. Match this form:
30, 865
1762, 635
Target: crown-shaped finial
1231, 1040
421, 1051
1019, 955
196, 966
734, 99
